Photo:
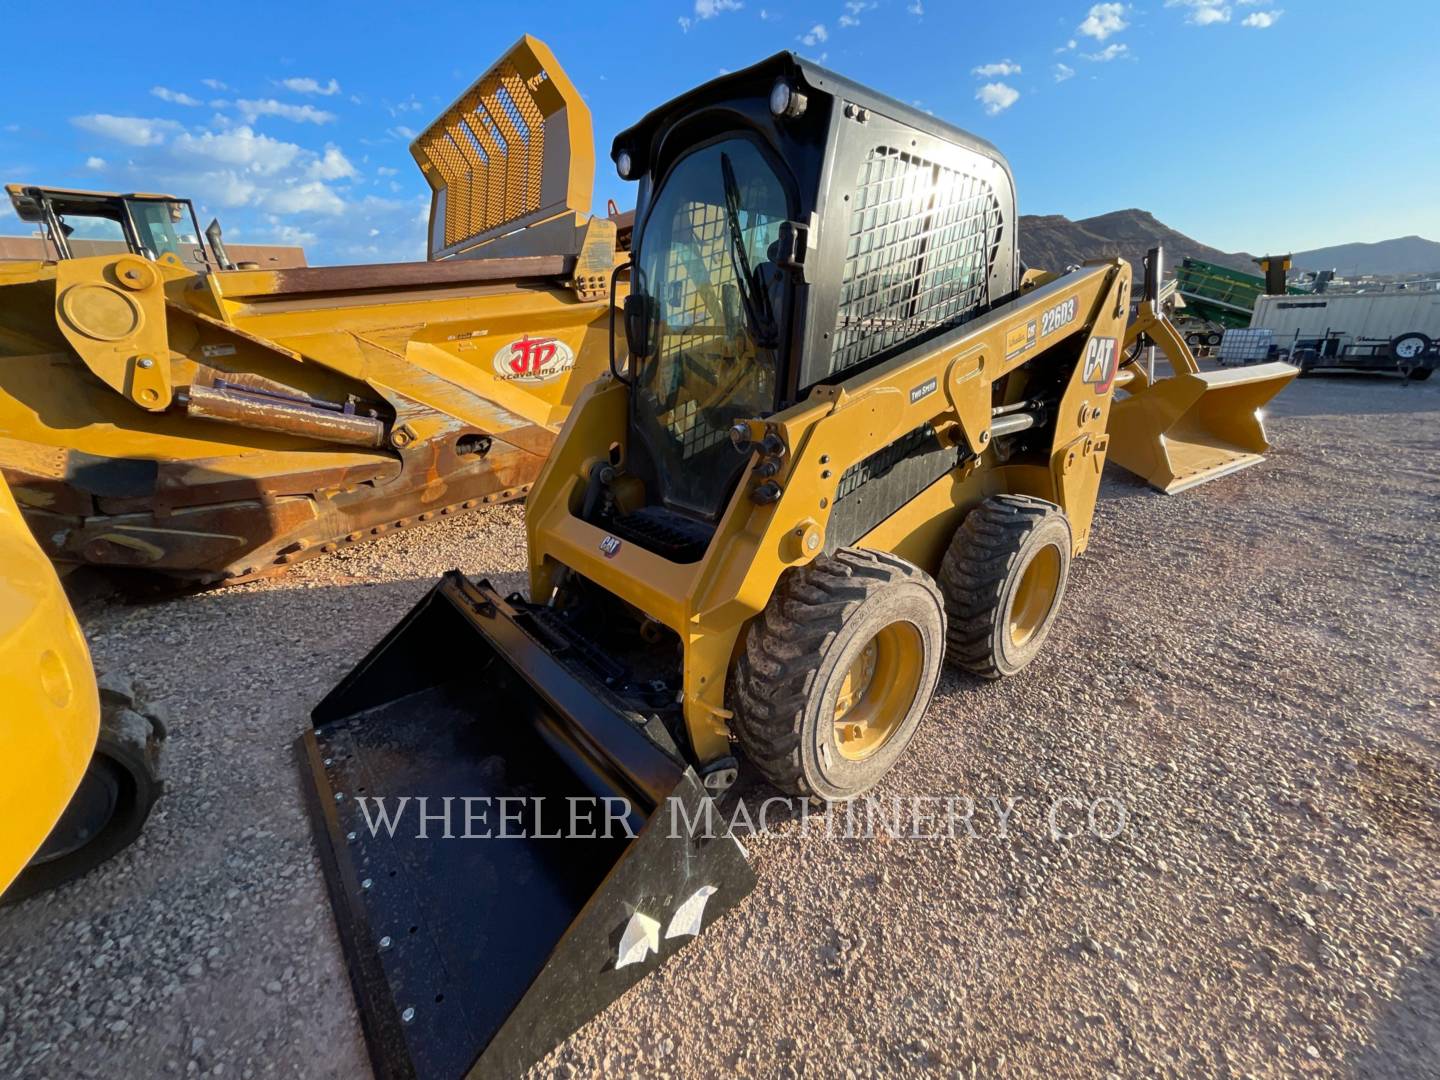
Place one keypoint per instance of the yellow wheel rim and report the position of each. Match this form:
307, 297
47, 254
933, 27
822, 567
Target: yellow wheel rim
878, 689
1035, 595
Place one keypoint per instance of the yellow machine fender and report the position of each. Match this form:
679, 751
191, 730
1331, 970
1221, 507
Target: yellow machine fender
51, 717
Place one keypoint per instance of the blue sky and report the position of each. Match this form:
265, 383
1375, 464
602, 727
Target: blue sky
1247, 124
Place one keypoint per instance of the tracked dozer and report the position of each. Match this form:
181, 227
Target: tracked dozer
851, 440
220, 423
79, 757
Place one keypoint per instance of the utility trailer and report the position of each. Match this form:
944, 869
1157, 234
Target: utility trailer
1380, 331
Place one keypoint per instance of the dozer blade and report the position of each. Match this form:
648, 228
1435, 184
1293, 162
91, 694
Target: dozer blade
476, 945
1195, 426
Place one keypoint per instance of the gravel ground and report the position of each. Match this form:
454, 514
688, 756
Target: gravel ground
1248, 667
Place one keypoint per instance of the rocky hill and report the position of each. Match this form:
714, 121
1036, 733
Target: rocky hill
1053, 241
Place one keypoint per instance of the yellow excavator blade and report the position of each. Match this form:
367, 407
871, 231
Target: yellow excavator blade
1194, 426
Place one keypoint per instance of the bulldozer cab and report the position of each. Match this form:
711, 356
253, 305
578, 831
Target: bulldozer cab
81, 223
793, 229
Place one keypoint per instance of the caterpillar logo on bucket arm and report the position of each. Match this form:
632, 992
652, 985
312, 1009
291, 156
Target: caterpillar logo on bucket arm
851, 443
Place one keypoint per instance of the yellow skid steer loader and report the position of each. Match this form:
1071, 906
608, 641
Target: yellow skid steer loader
852, 441
222, 423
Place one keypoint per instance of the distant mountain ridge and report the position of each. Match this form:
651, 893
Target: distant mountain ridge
1403, 255
1052, 242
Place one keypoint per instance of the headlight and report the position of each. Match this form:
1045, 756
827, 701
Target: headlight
780, 97
623, 164
785, 100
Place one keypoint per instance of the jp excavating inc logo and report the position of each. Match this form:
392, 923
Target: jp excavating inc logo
533, 360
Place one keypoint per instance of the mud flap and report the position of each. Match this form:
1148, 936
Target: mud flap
474, 953
1195, 427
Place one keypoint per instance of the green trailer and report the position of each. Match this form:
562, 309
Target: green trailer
1220, 294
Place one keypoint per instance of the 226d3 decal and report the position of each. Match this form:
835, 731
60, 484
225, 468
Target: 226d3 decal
1062, 314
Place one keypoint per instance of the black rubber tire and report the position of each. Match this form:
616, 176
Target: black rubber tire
1193, 339
1400, 340
1213, 338
1421, 374
982, 569
126, 760
797, 652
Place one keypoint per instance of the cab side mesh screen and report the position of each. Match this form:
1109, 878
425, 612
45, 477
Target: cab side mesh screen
923, 240
691, 322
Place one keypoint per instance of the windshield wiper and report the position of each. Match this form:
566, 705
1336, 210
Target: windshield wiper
758, 315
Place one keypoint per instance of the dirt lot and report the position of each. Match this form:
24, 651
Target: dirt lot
1249, 667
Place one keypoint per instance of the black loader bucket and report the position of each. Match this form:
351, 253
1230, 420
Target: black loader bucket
474, 953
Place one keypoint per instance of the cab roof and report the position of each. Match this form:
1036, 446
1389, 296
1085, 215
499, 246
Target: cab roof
26, 198
805, 75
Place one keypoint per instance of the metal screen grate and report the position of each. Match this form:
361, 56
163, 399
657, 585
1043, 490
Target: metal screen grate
693, 290
489, 153
921, 244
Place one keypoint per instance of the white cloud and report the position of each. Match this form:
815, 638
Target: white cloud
917, 8
767, 16
1103, 20
311, 86
853, 8
410, 104
1261, 20
708, 9
95, 164
1203, 12
268, 190
131, 130
385, 170
175, 97
1067, 47
311, 197
1002, 67
290, 234
815, 35
1111, 52
240, 147
333, 165
400, 131
214, 84
996, 97
221, 186
848, 20
300, 114
1063, 72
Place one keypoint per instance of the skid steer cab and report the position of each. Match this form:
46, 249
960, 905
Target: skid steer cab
77, 224
844, 441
